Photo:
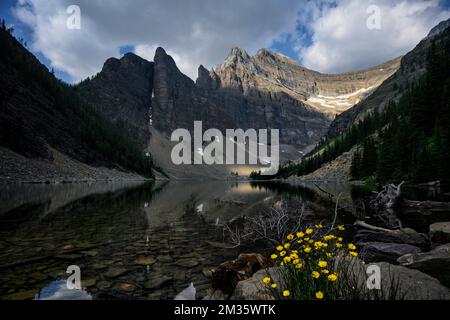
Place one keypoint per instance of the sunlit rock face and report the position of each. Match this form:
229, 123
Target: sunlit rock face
272, 72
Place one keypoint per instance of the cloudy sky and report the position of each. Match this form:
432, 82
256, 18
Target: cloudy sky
327, 36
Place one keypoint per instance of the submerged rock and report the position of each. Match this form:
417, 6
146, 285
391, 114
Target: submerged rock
145, 261
115, 272
158, 282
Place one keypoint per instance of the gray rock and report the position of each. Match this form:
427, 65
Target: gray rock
413, 284
254, 288
389, 252
115, 272
440, 232
158, 282
187, 263
435, 263
403, 236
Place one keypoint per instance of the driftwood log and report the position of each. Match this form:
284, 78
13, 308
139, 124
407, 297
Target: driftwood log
426, 207
387, 198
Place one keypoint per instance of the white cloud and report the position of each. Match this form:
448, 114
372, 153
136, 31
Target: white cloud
342, 42
198, 32
195, 31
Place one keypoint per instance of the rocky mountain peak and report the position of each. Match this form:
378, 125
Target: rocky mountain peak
439, 28
236, 57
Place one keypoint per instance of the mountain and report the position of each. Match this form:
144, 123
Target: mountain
267, 90
268, 71
400, 132
122, 92
412, 67
48, 133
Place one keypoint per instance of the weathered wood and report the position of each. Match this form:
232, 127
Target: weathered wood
388, 197
365, 225
424, 206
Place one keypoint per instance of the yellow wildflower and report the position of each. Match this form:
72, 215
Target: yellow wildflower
340, 239
329, 255
266, 280
315, 274
296, 261
319, 295
300, 234
290, 237
280, 248
322, 264
299, 241
353, 253
319, 226
307, 250
287, 245
332, 277
274, 285
341, 228
325, 271
287, 259
351, 246
274, 256
282, 253
286, 293
309, 231
338, 245
298, 266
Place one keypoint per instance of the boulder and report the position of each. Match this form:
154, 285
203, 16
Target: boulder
254, 287
226, 276
381, 251
398, 282
404, 236
436, 263
440, 232
412, 284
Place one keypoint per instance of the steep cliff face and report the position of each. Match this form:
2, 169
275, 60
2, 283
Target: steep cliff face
329, 94
412, 66
122, 92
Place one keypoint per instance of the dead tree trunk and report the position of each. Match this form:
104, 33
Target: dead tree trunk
388, 197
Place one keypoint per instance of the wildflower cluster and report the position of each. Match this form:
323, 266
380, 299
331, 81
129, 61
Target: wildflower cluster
307, 261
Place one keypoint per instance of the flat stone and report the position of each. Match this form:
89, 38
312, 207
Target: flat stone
187, 263
38, 276
440, 232
91, 253
126, 287
103, 285
22, 295
88, 283
145, 261
164, 259
115, 272
158, 282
